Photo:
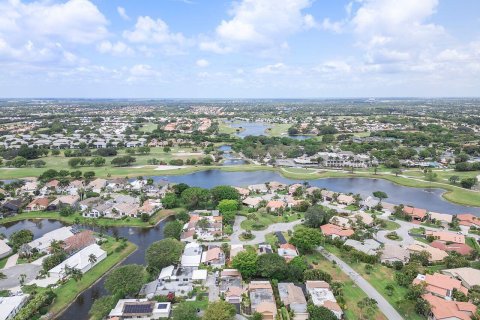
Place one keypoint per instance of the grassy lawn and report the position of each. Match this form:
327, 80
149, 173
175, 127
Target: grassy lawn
265, 219
224, 127
352, 293
67, 293
132, 222
278, 129
379, 278
3, 261
391, 225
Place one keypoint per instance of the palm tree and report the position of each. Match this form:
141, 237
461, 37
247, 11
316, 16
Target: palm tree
2, 276
92, 258
77, 275
22, 278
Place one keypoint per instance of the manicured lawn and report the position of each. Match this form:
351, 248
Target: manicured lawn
265, 219
133, 222
391, 225
352, 293
278, 129
379, 278
3, 261
67, 293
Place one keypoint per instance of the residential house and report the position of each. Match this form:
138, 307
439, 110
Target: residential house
11, 207
340, 221
252, 202
97, 185
140, 309
230, 284
5, 249
276, 205
192, 255
213, 257
444, 218
367, 246
363, 217
416, 213
293, 188
287, 251
446, 236
468, 276
327, 195
37, 204
262, 299
78, 241
10, 306
334, 231
460, 248
440, 285
322, 296
244, 192
82, 260
435, 254
441, 309
43, 243
345, 199
394, 252
235, 249
264, 248
62, 201
258, 188
277, 186
293, 298
468, 220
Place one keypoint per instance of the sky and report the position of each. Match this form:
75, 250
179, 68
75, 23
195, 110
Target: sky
239, 49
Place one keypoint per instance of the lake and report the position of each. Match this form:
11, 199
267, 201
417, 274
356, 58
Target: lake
430, 199
250, 128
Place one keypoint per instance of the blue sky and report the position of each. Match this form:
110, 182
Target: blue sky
242, 48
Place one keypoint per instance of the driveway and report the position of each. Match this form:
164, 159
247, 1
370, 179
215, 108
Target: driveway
363, 284
13, 275
213, 289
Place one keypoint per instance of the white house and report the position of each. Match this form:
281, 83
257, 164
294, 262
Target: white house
9, 306
43, 243
192, 255
81, 261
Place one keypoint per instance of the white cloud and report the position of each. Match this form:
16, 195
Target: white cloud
142, 72
202, 63
262, 24
117, 48
123, 13
76, 21
334, 26
150, 31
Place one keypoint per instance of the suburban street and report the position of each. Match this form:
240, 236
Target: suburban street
363, 284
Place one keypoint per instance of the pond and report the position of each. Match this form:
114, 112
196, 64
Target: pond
250, 128
142, 237
228, 158
430, 199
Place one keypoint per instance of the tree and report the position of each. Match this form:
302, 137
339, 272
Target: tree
220, 310
92, 258
315, 216
126, 280
173, 229
453, 179
246, 263
227, 205
296, 268
75, 162
422, 307
220, 193
170, 201
20, 237
320, 313
88, 175
316, 274
306, 239
196, 198
468, 183
163, 253
272, 266
380, 195
102, 306
185, 311
2, 276
229, 217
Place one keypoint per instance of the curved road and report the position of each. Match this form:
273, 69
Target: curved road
363, 284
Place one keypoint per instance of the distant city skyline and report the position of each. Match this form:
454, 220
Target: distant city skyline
239, 49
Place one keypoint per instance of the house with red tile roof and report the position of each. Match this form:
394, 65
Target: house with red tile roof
276, 205
78, 241
446, 236
331, 230
37, 204
460, 248
440, 285
416, 213
288, 251
441, 309
468, 220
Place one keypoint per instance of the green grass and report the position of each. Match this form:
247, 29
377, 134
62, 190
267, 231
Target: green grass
3, 261
351, 292
132, 222
278, 129
149, 127
267, 219
391, 225
68, 292
379, 278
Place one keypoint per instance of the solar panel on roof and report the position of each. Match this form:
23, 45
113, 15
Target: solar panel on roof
162, 306
138, 308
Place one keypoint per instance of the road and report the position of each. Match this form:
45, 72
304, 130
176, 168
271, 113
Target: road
363, 284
